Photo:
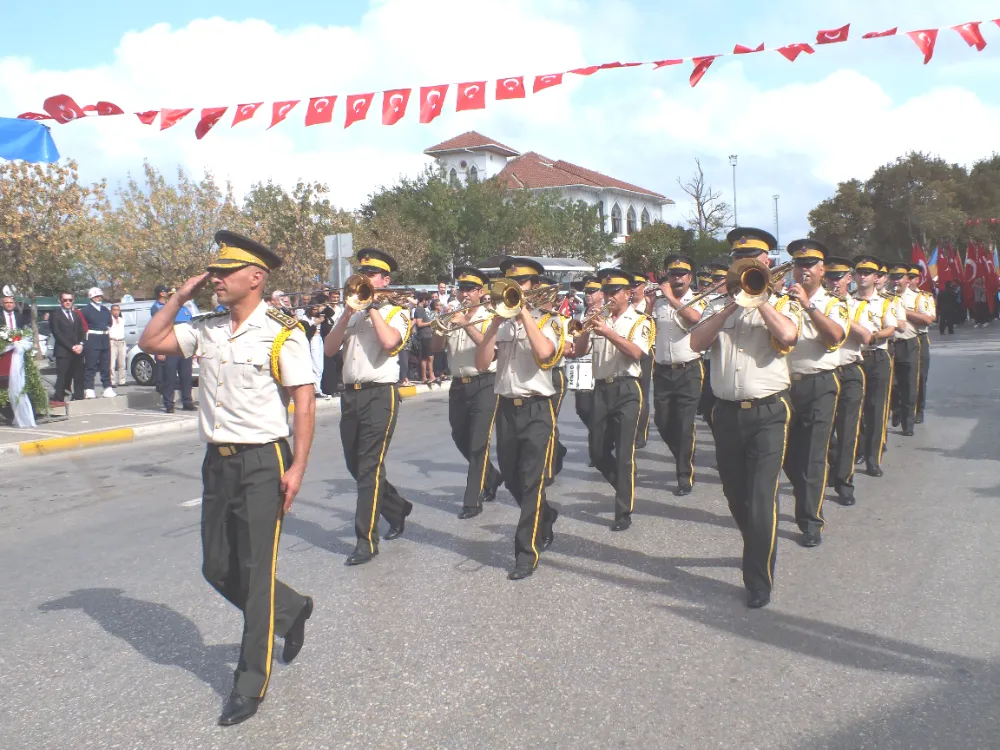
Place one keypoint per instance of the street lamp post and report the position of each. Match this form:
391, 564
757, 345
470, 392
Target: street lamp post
732, 163
777, 232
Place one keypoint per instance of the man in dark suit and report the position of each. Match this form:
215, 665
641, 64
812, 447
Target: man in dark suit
68, 332
11, 317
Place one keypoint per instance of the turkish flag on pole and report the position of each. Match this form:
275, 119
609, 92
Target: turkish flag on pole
471, 96
969, 275
925, 41
245, 112
833, 36
357, 108
701, 66
280, 110
209, 117
431, 101
320, 110
972, 35
792, 51
146, 118
63, 109
956, 265
879, 34
918, 258
544, 82
510, 88
394, 105
170, 117
740, 49
107, 108
943, 267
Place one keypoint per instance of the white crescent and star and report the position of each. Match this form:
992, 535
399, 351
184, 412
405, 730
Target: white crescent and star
432, 97
511, 83
321, 104
471, 91
284, 110
546, 79
360, 103
831, 35
393, 99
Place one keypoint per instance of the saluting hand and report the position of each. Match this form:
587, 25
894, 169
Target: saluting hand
190, 287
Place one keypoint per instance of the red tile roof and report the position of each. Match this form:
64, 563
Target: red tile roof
472, 139
534, 171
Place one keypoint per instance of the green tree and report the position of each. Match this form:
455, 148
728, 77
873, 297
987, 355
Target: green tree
646, 249
844, 222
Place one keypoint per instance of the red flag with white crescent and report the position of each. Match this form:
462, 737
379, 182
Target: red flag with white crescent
546, 81
63, 109
170, 117
925, 41
666, 63
471, 96
245, 112
587, 71
320, 110
280, 110
357, 108
701, 66
833, 36
510, 88
431, 101
210, 116
791, 51
104, 109
972, 35
394, 104
32, 116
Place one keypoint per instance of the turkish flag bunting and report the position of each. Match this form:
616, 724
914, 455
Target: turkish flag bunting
394, 105
588, 71
107, 108
471, 96
833, 36
320, 110
170, 117
245, 112
280, 110
510, 88
664, 63
925, 41
357, 108
878, 34
33, 116
146, 118
740, 49
701, 66
996, 21
972, 35
431, 100
544, 82
612, 65
209, 117
88, 108
792, 51
63, 109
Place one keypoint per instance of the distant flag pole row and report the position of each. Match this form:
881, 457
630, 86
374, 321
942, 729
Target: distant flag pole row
471, 94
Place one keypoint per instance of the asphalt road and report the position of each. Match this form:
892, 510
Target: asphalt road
885, 636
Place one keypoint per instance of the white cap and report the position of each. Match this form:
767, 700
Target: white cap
95, 292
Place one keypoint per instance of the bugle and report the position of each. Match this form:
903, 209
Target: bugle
444, 324
749, 283
589, 323
506, 298
360, 294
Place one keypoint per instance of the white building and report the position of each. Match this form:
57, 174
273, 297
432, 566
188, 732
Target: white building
623, 208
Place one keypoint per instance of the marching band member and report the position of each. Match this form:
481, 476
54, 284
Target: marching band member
593, 299
877, 362
371, 339
907, 360
526, 346
751, 413
925, 306
678, 372
711, 273
619, 343
472, 401
815, 386
641, 305
558, 376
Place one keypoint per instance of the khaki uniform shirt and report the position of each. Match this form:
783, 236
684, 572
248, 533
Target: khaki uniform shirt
673, 341
365, 361
746, 362
907, 301
811, 354
850, 350
462, 349
239, 399
927, 306
609, 360
879, 314
564, 324
519, 374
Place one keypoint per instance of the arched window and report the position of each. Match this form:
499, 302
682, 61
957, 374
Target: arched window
600, 214
616, 220
631, 223
453, 177
473, 174
645, 218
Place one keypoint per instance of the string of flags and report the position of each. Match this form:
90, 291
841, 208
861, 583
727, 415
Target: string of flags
470, 95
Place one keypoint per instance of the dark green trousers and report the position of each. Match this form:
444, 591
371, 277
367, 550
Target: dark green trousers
241, 513
645, 380
584, 405
676, 393
847, 427
526, 437
707, 400
614, 424
367, 421
750, 448
472, 406
924, 371
906, 369
559, 453
878, 378
814, 404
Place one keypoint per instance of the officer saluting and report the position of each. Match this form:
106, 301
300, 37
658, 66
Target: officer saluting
526, 346
372, 339
253, 360
472, 401
619, 342
750, 381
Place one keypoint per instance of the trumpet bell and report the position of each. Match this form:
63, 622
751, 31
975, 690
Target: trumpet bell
506, 297
359, 292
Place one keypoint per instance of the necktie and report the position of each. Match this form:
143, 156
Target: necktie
69, 316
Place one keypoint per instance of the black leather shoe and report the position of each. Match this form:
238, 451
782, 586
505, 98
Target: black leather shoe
547, 539
919, 419
811, 539
858, 460
395, 532
681, 490
360, 556
907, 432
490, 493
469, 512
640, 444
622, 523
238, 709
895, 419
847, 500
520, 572
874, 470
189, 407
758, 599
169, 409
296, 634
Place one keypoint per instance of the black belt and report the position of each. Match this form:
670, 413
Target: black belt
466, 380
523, 400
233, 449
615, 379
680, 366
750, 403
809, 376
366, 386
841, 368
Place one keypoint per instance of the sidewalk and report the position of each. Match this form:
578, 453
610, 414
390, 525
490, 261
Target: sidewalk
123, 427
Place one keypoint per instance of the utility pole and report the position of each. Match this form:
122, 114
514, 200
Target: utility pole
732, 162
777, 234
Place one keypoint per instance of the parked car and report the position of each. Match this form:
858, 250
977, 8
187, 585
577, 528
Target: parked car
136, 316
143, 368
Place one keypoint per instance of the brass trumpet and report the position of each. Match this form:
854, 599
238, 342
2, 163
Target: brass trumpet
506, 298
443, 323
589, 323
360, 293
748, 282
542, 296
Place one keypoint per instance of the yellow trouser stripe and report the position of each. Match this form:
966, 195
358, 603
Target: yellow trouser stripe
916, 393
885, 408
274, 571
826, 451
694, 424
561, 390
378, 469
777, 483
857, 429
631, 503
549, 450
486, 455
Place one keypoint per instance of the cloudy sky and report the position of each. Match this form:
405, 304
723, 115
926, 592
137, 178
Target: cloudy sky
798, 128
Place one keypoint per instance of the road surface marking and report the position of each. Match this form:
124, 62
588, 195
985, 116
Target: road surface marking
191, 503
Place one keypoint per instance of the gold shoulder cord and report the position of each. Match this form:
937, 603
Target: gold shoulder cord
833, 305
560, 346
782, 301
406, 336
288, 325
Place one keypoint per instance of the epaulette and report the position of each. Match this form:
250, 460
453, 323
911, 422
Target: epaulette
286, 320
209, 315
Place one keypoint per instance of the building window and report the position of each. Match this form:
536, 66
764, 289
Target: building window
473, 174
616, 220
453, 177
645, 218
631, 224
600, 214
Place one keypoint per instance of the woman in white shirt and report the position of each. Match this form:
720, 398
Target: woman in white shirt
117, 336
